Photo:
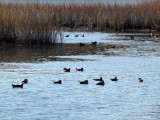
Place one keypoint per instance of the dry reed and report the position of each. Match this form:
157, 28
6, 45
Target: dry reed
30, 24
36, 23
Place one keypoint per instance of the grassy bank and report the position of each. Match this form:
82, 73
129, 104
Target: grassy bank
37, 24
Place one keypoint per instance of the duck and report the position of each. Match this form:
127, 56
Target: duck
100, 79
66, 70
18, 86
76, 35
57, 82
132, 37
83, 35
67, 36
83, 82
113, 46
101, 83
156, 36
81, 44
114, 79
140, 80
94, 43
81, 69
25, 81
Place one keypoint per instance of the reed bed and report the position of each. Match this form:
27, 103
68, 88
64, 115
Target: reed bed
106, 17
40, 24
29, 24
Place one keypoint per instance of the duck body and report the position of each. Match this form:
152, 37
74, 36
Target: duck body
140, 80
132, 37
81, 69
114, 79
101, 83
76, 35
94, 43
156, 36
81, 44
57, 82
83, 82
100, 79
66, 70
67, 36
17, 86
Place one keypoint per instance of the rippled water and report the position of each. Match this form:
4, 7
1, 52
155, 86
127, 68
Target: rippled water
125, 99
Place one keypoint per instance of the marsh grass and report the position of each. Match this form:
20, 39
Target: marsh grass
30, 24
106, 17
39, 24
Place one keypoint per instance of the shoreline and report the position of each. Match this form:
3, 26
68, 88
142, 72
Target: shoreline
151, 33
85, 29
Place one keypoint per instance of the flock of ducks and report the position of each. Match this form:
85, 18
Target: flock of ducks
131, 37
155, 35
82, 44
100, 80
75, 35
95, 42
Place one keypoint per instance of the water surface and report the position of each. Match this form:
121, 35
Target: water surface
114, 55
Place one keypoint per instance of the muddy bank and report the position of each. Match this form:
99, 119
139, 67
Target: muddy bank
32, 54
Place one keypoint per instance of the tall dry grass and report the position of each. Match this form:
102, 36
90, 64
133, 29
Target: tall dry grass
100, 17
30, 24
36, 24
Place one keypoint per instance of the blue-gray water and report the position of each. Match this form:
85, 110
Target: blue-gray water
40, 99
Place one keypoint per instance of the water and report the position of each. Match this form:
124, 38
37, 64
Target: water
125, 99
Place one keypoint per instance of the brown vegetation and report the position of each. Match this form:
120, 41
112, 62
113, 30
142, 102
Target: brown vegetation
38, 23
30, 24
99, 17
